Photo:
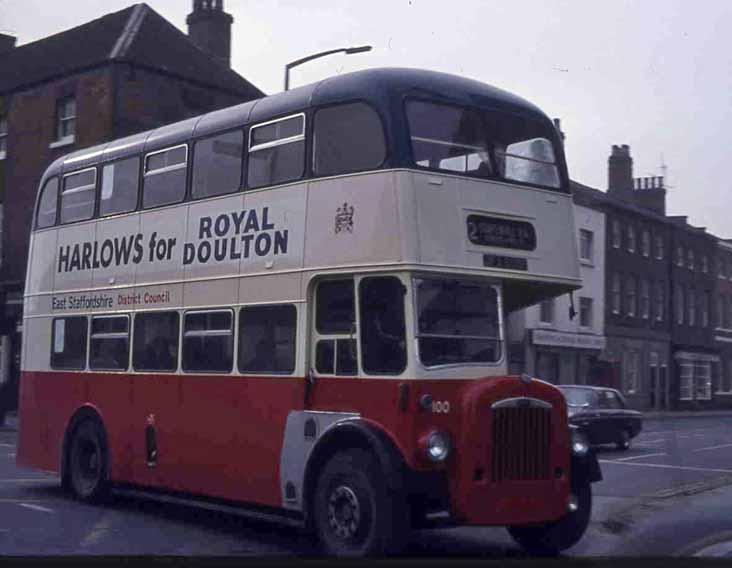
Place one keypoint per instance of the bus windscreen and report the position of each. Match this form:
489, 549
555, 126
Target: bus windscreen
482, 143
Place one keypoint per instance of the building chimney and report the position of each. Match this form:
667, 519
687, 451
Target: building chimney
620, 170
650, 193
7, 42
209, 27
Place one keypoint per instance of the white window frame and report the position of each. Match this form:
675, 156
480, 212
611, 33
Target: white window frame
61, 120
690, 260
586, 237
63, 191
726, 371
680, 256
590, 311
164, 169
686, 380
279, 141
631, 294
552, 312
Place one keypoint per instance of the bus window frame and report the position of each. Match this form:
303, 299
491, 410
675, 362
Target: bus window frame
111, 335
40, 198
387, 146
209, 333
415, 319
95, 186
144, 174
315, 336
296, 345
85, 366
305, 137
560, 161
178, 335
244, 129
138, 200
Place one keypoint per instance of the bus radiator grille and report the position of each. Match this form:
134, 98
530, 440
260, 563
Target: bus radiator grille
521, 444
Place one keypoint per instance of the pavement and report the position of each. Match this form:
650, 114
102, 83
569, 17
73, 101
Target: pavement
669, 495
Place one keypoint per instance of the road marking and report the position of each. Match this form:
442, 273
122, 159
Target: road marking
664, 466
7, 445
36, 507
641, 457
713, 447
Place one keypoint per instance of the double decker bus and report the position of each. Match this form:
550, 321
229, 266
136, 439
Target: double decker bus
298, 304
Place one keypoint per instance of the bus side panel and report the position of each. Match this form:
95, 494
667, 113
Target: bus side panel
352, 220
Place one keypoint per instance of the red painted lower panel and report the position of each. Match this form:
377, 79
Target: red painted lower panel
222, 435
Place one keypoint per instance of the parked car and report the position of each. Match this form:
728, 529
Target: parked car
602, 414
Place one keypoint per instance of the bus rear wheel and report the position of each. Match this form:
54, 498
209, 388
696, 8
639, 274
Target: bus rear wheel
87, 462
552, 538
354, 512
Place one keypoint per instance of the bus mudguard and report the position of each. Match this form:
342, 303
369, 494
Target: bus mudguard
311, 437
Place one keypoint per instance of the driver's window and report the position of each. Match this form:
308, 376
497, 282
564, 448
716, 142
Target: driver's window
335, 328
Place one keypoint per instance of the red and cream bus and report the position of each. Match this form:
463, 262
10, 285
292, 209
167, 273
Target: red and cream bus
297, 304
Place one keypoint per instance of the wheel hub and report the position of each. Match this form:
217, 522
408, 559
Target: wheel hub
344, 512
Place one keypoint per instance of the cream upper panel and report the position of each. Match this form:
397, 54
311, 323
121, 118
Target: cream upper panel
442, 205
362, 220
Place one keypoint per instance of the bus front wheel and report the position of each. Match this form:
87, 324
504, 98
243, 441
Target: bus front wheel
354, 512
552, 538
87, 462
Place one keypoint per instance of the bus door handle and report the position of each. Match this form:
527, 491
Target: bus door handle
309, 384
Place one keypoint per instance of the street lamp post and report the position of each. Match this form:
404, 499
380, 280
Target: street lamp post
346, 50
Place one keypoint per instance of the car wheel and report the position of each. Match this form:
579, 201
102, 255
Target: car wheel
550, 539
623, 442
354, 512
87, 465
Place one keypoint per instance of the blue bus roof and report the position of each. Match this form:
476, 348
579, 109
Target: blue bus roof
384, 88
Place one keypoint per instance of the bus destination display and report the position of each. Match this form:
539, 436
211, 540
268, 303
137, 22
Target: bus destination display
504, 233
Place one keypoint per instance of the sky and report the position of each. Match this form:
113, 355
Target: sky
653, 74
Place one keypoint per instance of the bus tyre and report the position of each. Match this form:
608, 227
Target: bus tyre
355, 514
87, 465
552, 538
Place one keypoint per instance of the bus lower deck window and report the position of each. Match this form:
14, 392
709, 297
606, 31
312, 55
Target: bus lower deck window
267, 339
68, 343
110, 343
383, 332
208, 341
156, 341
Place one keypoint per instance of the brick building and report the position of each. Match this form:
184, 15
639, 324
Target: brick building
637, 288
123, 73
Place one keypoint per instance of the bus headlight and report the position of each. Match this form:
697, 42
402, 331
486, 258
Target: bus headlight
580, 444
437, 446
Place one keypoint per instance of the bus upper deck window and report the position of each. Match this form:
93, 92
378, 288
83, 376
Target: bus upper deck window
165, 177
77, 196
448, 138
120, 182
347, 138
277, 151
217, 164
47, 204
